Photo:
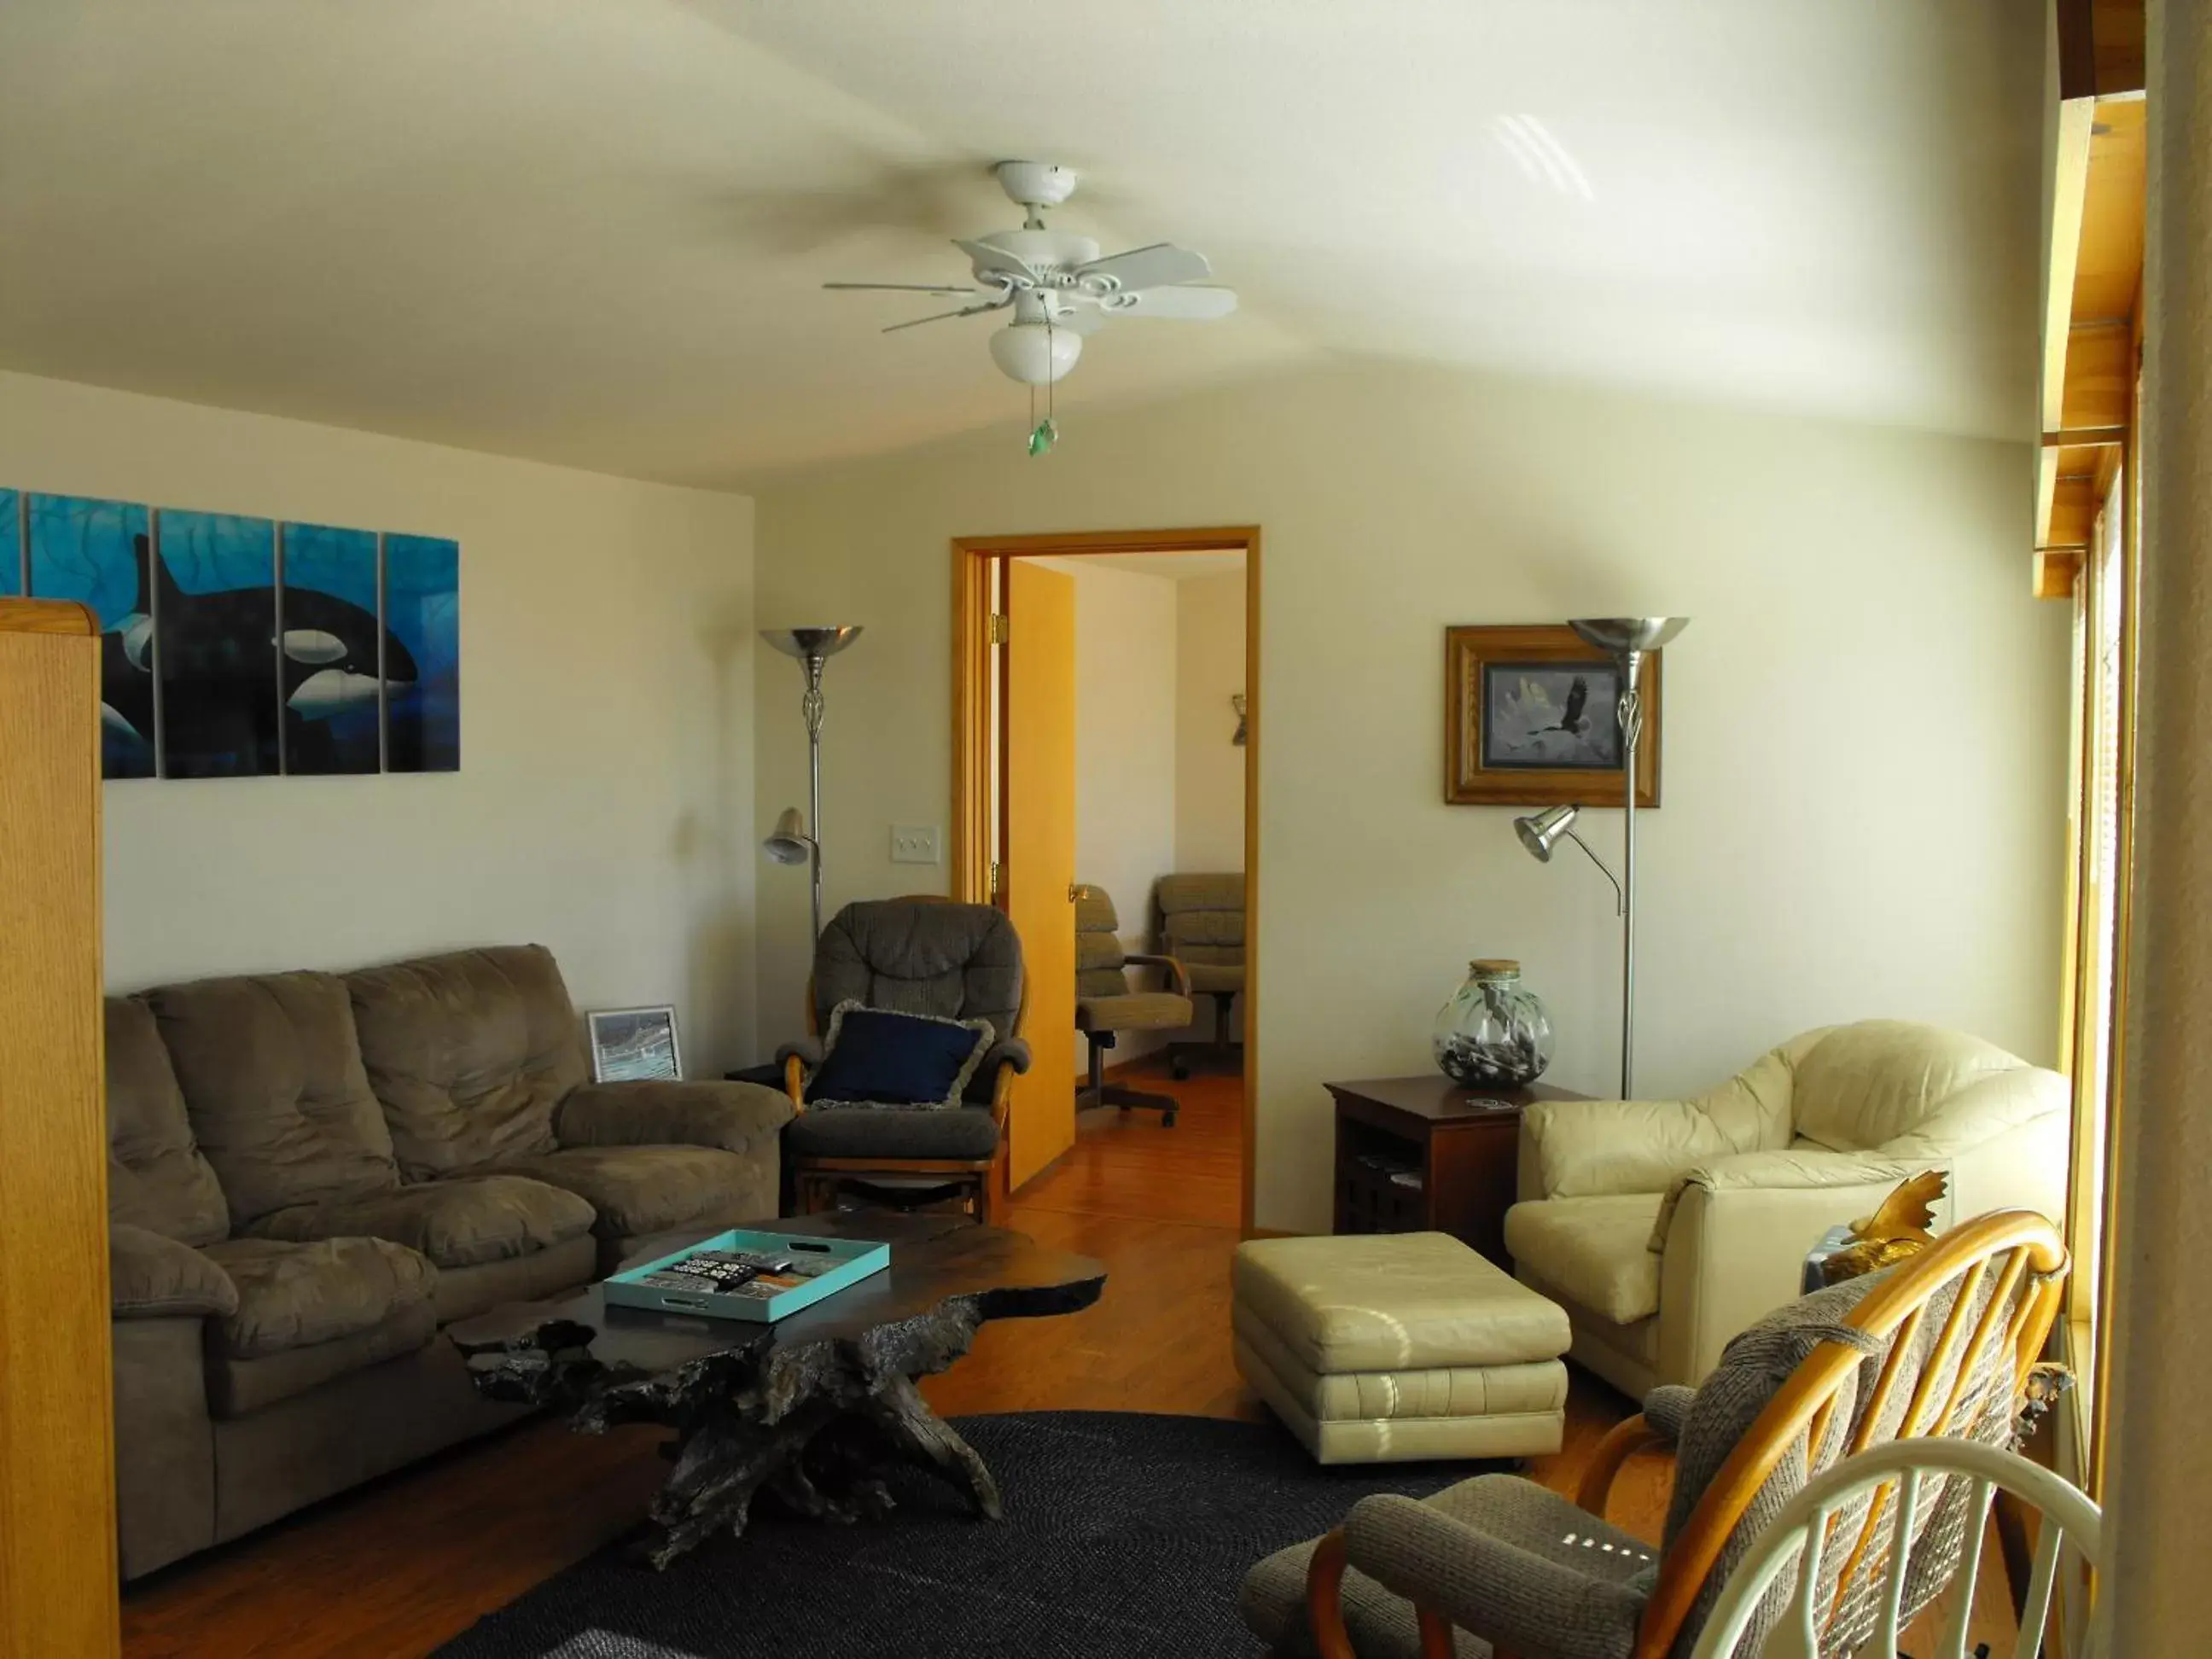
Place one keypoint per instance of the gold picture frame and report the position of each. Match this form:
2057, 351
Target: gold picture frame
1517, 733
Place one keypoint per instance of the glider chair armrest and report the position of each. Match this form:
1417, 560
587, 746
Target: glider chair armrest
1178, 975
735, 1117
798, 1058
1005, 1061
1622, 1441
1593, 1148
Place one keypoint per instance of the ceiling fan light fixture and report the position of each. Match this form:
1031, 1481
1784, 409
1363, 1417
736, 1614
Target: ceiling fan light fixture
1035, 353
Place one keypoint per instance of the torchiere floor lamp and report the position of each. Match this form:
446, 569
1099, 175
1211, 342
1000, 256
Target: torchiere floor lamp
1627, 640
797, 840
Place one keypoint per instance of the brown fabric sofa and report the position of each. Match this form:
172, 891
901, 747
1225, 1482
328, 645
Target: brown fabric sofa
310, 1174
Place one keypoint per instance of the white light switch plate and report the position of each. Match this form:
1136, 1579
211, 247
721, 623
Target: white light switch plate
914, 843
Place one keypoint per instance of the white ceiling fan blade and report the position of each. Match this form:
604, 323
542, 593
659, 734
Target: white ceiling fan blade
1183, 304
998, 303
992, 260
904, 287
1155, 266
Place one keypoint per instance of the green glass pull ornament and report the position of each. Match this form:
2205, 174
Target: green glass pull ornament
1046, 434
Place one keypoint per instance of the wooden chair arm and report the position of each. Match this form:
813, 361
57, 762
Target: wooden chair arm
1325, 1608
794, 1081
1002, 1094
1622, 1441
1178, 975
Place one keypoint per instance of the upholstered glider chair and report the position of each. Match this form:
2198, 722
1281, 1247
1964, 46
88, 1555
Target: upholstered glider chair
1201, 924
1664, 1227
1939, 1346
1106, 1005
919, 955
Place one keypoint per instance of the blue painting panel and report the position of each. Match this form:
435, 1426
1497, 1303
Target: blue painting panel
97, 552
333, 653
12, 544
423, 610
218, 611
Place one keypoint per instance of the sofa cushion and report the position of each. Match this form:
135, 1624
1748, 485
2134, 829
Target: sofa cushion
461, 1223
236, 1385
464, 1292
1593, 1251
150, 1276
294, 1296
157, 1178
470, 1054
1862, 1085
861, 1131
272, 1080
650, 1189
1388, 1301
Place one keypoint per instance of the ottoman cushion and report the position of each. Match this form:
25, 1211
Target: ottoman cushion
1405, 1346
1382, 1302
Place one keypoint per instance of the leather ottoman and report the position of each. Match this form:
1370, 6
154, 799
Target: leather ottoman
1387, 1347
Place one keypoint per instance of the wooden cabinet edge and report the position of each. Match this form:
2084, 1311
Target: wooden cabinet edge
47, 617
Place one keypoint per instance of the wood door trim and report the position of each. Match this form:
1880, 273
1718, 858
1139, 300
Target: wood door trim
971, 733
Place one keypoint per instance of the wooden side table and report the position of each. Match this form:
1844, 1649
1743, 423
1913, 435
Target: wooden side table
1418, 1154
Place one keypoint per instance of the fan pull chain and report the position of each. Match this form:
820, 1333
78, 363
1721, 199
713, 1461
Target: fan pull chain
1044, 433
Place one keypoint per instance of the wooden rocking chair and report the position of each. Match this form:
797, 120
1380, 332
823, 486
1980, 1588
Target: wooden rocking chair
1949, 1337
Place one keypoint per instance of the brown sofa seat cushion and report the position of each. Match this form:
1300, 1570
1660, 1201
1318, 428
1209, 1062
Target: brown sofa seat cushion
649, 1189
470, 1053
272, 1079
236, 1385
296, 1295
157, 1178
154, 1277
461, 1223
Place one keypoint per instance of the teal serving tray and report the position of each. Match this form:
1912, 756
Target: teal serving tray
853, 1260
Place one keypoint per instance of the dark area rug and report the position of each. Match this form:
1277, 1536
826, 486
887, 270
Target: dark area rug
1126, 1536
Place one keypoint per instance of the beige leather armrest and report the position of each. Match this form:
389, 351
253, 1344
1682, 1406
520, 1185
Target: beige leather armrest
1588, 1148
1734, 1253
1797, 1170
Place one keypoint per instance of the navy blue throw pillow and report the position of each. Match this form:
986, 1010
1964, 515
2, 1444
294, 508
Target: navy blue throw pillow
910, 1062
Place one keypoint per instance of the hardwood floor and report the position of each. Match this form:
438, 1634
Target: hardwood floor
397, 1567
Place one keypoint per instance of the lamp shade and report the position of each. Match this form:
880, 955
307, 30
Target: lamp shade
1540, 832
788, 842
1622, 635
805, 642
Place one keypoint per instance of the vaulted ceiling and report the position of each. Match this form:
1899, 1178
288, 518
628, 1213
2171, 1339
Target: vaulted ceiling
595, 233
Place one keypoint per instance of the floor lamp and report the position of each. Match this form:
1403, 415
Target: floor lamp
797, 840
1627, 640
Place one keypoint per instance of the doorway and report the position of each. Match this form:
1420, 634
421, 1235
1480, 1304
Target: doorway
1055, 791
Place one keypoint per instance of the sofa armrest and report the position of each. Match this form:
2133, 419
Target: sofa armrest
1594, 1148
1735, 1248
154, 1277
737, 1117
1797, 1170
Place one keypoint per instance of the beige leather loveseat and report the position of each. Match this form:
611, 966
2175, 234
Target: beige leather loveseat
1665, 1227
311, 1175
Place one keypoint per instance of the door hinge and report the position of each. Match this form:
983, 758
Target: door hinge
1001, 627
997, 874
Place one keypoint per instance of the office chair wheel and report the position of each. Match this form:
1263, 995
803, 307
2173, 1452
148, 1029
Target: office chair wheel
1167, 1119
1179, 1071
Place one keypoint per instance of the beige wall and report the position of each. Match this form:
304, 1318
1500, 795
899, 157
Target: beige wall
1864, 725
604, 799
1124, 750
1209, 831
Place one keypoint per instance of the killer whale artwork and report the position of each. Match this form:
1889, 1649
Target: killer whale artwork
96, 553
242, 647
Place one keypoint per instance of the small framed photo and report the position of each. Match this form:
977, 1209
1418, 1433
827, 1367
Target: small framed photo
634, 1045
1530, 720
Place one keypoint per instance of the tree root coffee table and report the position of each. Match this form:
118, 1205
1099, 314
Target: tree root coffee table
809, 1408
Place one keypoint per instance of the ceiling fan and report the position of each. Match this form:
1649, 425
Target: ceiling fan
1056, 284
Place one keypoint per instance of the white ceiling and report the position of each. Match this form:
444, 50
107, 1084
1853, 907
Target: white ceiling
594, 233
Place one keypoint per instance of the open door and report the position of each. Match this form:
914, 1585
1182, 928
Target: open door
1040, 854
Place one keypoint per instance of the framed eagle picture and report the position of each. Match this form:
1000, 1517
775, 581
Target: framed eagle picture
1530, 720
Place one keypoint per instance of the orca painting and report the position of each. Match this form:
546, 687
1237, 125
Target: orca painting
233, 647
97, 553
336, 660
